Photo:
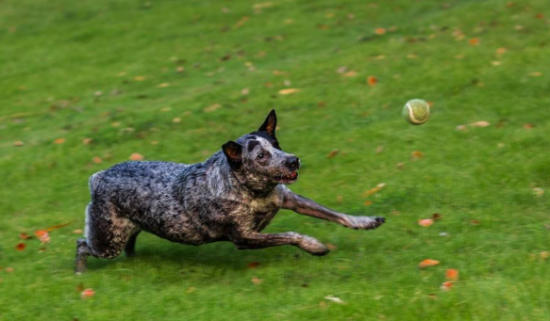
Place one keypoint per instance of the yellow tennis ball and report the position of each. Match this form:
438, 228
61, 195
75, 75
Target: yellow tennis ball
416, 111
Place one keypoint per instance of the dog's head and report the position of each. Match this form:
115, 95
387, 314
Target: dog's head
259, 159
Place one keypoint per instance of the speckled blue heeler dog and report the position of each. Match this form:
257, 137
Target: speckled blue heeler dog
232, 196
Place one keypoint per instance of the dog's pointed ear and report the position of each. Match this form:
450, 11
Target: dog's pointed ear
269, 124
233, 152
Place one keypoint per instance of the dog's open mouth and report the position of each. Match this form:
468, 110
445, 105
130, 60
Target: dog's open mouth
288, 178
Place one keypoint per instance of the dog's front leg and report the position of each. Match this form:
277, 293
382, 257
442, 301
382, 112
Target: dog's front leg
260, 241
302, 205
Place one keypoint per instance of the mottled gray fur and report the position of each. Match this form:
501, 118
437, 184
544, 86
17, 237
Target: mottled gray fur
232, 196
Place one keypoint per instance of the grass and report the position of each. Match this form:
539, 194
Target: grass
68, 70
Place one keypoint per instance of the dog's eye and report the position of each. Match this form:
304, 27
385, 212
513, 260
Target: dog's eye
260, 156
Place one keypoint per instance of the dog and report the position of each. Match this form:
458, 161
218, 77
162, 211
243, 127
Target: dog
232, 196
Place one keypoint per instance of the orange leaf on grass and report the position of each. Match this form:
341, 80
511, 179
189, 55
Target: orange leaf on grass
417, 155
86, 294
136, 157
427, 263
43, 236
374, 190
55, 227
425, 222
59, 141
380, 31
480, 124
256, 280
371, 80
474, 41
333, 153
446, 286
367, 203
253, 265
288, 91
25, 236
20, 247
451, 274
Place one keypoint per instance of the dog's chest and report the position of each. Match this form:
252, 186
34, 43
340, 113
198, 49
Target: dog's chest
255, 214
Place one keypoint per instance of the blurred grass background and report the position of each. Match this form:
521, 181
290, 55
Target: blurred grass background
175, 80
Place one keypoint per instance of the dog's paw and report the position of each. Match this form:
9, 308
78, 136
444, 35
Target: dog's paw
313, 246
365, 222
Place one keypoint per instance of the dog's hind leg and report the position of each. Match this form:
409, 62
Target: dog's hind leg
82, 254
260, 241
130, 248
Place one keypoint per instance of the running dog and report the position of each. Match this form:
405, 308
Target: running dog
232, 196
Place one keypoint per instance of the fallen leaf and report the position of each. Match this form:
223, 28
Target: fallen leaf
350, 74
43, 236
97, 160
59, 141
528, 126
80, 287
538, 191
241, 21
163, 85
371, 80
436, 216
544, 255
334, 299
9, 269
425, 222
86, 141
78, 231
379, 149
212, 108
535, 74
20, 246
176, 120
331, 247
333, 153
256, 280
539, 16
427, 263
288, 91
136, 157
245, 91
446, 286
380, 31
475, 222
501, 51
18, 143
339, 199
253, 265
451, 274
180, 69
367, 203
87, 294
374, 190
474, 41
139, 78
461, 128
480, 124
342, 70
56, 227
417, 155
24, 236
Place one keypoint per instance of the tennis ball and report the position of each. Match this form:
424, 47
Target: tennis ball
416, 111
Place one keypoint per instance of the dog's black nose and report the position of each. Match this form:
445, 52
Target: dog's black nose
293, 163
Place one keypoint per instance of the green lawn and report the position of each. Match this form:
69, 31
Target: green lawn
174, 80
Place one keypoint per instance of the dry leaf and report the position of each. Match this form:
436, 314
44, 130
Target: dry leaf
253, 265
334, 299
367, 203
97, 160
350, 74
59, 141
56, 227
538, 191
374, 190
535, 74
451, 275
400, 166
20, 247
474, 41
24, 236
417, 155
446, 286
288, 91
139, 78
136, 157
427, 263
80, 287
539, 16
475, 222
43, 236
371, 80
333, 153
379, 149
18, 143
544, 255
480, 124
176, 120
212, 108
163, 85
78, 231
256, 280
528, 126
380, 31
436, 216
425, 222
245, 91
331, 247
342, 69
339, 199
9, 269
86, 294
86, 141
461, 128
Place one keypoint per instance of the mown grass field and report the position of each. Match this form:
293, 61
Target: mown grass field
175, 80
